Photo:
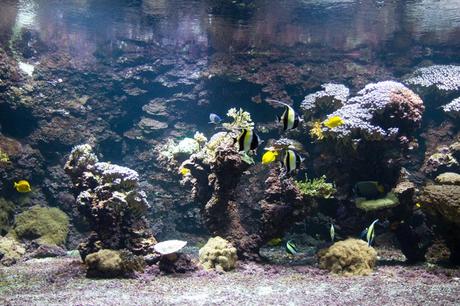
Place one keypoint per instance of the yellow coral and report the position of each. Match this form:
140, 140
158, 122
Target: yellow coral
316, 131
4, 158
218, 254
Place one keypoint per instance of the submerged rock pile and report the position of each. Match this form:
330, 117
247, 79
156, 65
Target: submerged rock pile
108, 196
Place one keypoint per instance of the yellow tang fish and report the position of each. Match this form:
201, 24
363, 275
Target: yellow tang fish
22, 186
269, 157
333, 122
184, 171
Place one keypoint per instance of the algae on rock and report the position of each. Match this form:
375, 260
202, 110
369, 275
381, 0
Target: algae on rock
10, 251
317, 187
389, 201
6, 215
48, 226
113, 263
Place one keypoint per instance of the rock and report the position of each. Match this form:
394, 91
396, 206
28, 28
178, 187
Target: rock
444, 200
112, 263
348, 257
181, 263
389, 201
6, 215
218, 254
149, 125
48, 226
448, 178
10, 251
44, 251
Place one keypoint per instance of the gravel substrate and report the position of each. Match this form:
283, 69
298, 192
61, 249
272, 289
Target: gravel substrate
62, 281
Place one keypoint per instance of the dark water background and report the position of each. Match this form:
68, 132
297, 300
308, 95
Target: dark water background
211, 54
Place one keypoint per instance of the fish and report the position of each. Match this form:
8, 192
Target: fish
332, 232
371, 233
333, 122
291, 161
214, 118
275, 241
269, 157
248, 140
184, 171
418, 204
289, 118
291, 248
368, 189
22, 186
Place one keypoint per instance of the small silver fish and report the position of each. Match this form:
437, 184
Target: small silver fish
332, 232
214, 118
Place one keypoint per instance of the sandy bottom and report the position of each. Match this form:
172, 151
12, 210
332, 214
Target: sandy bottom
62, 281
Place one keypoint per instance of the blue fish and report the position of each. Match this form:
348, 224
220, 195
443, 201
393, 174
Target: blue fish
214, 118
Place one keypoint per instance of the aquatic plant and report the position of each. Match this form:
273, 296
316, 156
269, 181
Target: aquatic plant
241, 120
349, 257
48, 226
316, 188
218, 254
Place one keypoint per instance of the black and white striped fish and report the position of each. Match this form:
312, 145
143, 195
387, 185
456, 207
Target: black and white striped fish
291, 161
248, 140
289, 118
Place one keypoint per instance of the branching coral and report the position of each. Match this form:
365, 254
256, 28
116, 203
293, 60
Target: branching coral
4, 157
241, 120
316, 188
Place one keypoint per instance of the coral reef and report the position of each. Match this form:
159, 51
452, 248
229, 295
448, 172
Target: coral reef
113, 263
452, 108
218, 254
108, 196
43, 225
348, 257
331, 98
384, 110
316, 188
10, 251
444, 78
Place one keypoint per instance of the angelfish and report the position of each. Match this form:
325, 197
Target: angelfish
248, 140
291, 161
370, 235
289, 118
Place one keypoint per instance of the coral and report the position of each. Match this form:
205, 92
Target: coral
390, 200
442, 160
452, 108
6, 215
218, 254
444, 78
108, 196
317, 188
448, 178
113, 263
200, 138
149, 125
380, 111
10, 251
316, 131
4, 157
348, 257
241, 120
48, 226
325, 101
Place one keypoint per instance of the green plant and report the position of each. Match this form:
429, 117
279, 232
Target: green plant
317, 188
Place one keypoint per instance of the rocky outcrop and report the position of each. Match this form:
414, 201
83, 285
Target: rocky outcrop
109, 197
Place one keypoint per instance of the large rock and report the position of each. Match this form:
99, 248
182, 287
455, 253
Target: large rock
10, 251
113, 263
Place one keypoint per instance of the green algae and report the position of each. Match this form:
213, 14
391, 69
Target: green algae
316, 188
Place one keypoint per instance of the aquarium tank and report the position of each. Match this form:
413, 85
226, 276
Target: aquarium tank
229, 152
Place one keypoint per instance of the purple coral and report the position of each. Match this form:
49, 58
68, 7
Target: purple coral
331, 98
380, 111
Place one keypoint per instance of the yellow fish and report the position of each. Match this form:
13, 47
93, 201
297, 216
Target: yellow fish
269, 157
184, 171
22, 186
275, 242
333, 122
418, 205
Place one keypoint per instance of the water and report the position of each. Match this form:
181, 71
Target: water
129, 77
